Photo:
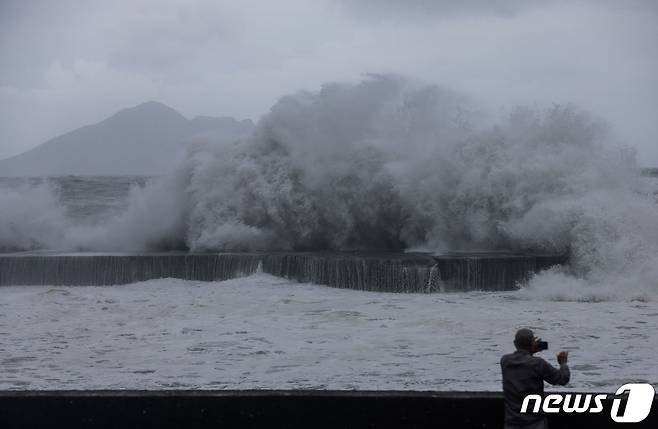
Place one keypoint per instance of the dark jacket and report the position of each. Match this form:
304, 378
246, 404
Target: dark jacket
524, 374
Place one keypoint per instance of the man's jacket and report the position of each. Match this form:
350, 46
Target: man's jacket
524, 374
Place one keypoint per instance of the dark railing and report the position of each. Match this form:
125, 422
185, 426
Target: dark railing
268, 409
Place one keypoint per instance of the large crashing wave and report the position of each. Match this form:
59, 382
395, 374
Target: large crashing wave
392, 164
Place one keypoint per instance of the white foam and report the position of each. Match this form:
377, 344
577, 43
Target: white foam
262, 332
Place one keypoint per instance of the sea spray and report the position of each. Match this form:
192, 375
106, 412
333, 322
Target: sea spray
392, 165
31, 217
153, 220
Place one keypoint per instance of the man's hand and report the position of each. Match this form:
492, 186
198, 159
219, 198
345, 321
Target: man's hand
562, 357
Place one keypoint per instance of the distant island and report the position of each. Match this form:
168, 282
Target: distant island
148, 139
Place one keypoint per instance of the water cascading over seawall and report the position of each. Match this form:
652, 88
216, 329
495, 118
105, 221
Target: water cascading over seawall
405, 272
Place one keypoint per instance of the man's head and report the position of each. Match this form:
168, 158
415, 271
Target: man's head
524, 339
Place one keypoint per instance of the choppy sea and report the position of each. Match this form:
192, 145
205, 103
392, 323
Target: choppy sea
262, 332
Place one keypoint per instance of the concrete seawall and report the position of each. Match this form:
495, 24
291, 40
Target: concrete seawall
292, 409
406, 272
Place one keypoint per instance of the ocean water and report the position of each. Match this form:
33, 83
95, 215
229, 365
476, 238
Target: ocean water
263, 332
87, 199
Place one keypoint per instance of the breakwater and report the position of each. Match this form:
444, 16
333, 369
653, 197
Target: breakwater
395, 272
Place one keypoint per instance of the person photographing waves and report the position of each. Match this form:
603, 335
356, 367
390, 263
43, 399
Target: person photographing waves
524, 374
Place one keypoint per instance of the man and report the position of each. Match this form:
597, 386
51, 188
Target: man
524, 374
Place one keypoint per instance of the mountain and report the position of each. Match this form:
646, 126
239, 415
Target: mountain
148, 139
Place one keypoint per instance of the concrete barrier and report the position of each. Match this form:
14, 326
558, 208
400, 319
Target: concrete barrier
382, 272
291, 409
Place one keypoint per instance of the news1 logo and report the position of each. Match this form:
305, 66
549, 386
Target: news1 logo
638, 404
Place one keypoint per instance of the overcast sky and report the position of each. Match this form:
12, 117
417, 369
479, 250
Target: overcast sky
66, 63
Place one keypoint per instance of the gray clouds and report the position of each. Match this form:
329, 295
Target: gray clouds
68, 63
431, 9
